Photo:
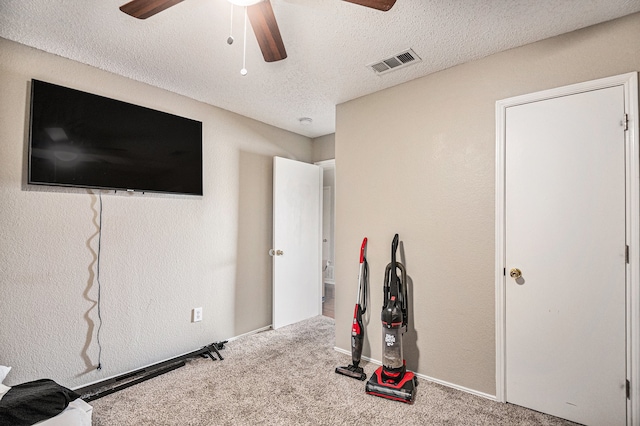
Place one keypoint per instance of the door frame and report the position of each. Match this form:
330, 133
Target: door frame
629, 82
330, 165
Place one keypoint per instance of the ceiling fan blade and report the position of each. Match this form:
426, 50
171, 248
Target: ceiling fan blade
382, 5
142, 9
266, 30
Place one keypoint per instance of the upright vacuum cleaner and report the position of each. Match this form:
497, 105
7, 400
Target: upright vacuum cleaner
357, 329
392, 380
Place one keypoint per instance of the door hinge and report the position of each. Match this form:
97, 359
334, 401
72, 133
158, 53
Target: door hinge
628, 389
625, 122
626, 254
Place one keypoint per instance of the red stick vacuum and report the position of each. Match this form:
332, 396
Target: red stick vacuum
392, 380
357, 329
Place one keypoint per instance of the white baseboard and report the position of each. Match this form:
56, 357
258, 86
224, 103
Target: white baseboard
427, 378
342, 351
249, 333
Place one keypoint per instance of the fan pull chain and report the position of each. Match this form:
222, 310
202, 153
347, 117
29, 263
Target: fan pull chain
230, 39
243, 71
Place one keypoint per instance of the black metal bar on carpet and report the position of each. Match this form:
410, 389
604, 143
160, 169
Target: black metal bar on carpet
123, 381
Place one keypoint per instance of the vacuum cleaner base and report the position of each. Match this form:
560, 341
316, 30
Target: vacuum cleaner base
403, 390
352, 371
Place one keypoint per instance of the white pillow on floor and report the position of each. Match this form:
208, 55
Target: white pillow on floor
3, 373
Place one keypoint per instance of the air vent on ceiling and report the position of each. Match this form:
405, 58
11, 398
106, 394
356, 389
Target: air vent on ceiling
398, 61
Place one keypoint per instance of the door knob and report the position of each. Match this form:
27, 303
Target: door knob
515, 273
273, 252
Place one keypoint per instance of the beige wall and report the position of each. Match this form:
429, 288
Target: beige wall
162, 255
323, 148
418, 159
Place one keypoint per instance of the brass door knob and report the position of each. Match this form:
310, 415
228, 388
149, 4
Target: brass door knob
515, 273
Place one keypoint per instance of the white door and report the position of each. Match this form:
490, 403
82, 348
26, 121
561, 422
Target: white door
297, 230
565, 231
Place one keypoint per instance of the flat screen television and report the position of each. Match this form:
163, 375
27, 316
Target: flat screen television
79, 139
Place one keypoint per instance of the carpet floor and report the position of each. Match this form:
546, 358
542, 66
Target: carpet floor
286, 377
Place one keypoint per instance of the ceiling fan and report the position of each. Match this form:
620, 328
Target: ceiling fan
260, 15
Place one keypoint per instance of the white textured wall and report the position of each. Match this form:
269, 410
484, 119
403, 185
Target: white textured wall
418, 159
161, 254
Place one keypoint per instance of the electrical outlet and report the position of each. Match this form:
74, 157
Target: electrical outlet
196, 315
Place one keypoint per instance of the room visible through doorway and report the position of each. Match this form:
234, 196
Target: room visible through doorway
328, 240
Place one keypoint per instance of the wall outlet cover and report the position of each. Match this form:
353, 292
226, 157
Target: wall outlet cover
196, 315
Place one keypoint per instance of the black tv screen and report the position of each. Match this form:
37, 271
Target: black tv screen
84, 140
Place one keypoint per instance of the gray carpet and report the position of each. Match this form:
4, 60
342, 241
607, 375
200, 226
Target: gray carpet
286, 377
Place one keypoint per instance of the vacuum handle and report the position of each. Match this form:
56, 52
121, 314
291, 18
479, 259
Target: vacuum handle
394, 248
362, 249
361, 296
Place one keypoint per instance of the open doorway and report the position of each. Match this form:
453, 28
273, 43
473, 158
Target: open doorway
328, 237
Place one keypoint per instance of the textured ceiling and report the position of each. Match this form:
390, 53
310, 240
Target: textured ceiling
329, 45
